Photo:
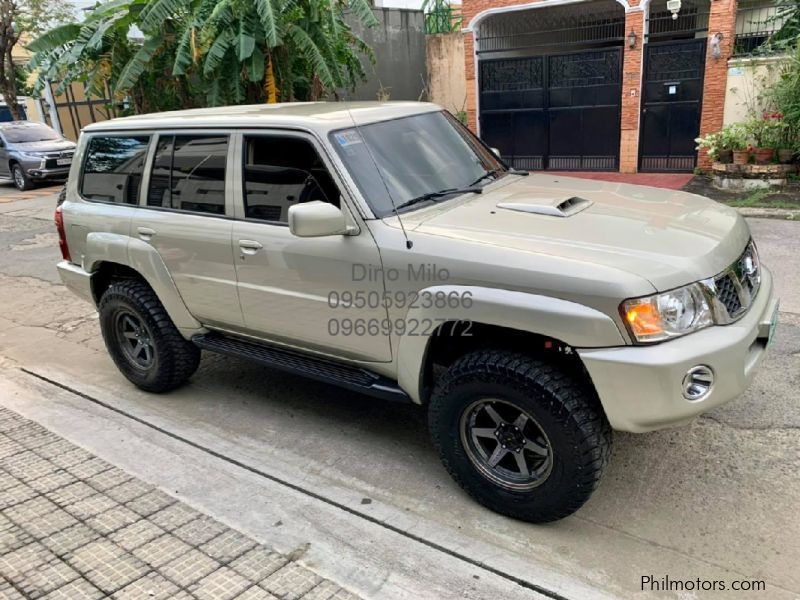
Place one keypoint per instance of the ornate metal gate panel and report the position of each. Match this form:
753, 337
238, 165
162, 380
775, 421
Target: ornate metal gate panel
558, 111
671, 104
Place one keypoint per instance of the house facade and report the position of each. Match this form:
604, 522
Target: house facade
617, 85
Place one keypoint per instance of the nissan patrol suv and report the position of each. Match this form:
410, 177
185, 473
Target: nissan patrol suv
383, 248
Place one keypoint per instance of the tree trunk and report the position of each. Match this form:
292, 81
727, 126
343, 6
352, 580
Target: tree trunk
8, 39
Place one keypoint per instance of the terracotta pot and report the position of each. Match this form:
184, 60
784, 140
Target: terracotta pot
741, 157
764, 155
785, 155
725, 156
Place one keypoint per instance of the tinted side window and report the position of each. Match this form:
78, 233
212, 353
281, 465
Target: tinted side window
280, 172
189, 173
113, 168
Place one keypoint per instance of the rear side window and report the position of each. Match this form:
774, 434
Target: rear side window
113, 168
189, 173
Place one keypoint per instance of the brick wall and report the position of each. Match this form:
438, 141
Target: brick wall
631, 94
722, 20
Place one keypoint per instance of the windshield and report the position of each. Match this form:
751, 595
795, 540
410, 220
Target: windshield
19, 134
416, 155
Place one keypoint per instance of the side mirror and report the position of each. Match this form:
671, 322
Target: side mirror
496, 152
316, 219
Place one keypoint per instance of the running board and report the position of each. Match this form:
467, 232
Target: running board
313, 367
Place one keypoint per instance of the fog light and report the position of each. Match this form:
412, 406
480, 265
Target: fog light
697, 383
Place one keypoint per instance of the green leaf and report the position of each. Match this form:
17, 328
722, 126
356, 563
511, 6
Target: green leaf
266, 13
58, 36
217, 52
158, 11
183, 52
96, 41
311, 52
256, 65
245, 42
135, 66
363, 10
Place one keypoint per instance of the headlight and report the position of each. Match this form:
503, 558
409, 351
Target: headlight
32, 155
667, 315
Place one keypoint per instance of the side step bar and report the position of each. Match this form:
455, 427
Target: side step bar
313, 367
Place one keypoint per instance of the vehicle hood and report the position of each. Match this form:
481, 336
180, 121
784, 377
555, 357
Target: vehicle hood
45, 146
667, 237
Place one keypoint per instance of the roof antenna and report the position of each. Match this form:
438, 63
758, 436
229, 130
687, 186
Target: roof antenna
409, 243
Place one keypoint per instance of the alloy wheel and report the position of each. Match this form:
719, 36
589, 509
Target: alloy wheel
506, 444
135, 340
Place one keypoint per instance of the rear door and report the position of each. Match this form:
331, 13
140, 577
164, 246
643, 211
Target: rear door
187, 219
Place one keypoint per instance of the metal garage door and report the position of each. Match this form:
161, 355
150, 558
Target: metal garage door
672, 96
559, 111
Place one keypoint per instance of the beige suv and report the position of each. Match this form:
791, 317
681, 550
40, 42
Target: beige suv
382, 248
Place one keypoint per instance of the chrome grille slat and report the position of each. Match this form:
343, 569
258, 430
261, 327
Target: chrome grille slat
733, 291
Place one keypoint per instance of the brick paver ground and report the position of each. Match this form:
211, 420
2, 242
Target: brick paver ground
73, 526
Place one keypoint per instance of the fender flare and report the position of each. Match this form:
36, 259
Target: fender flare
145, 260
574, 324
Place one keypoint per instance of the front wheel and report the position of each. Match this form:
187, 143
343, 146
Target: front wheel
525, 438
21, 179
142, 340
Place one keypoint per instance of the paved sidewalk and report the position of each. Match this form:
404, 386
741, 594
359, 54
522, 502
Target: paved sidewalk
73, 526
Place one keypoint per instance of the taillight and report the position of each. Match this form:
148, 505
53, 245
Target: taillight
62, 235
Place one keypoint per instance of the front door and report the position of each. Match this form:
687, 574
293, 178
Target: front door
323, 294
671, 104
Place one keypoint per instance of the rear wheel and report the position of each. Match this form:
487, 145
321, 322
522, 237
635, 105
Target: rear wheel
524, 437
20, 177
142, 340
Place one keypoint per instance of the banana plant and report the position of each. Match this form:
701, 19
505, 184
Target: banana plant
208, 52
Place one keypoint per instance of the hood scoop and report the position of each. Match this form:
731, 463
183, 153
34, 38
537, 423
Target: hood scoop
552, 207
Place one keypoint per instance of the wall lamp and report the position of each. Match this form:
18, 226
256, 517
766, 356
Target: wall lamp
632, 39
716, 52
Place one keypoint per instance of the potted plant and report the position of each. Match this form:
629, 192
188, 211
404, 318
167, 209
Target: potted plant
711, 144
766, 134
735, 138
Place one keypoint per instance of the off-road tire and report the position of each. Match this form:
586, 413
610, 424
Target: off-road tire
562, 401
20, 177
176, 359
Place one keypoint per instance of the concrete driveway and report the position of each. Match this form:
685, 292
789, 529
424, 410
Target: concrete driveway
294, 463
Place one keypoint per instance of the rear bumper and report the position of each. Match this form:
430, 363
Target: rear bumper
640, 387
76, 279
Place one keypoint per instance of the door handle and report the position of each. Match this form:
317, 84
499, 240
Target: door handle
249, 246
146, 233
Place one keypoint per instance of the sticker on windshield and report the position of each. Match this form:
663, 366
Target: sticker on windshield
348, 138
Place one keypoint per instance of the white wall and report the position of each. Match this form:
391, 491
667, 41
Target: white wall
746, 78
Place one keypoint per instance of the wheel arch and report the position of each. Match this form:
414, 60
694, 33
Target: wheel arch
501, 319
109, 256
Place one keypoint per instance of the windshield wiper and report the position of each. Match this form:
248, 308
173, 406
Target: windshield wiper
432, 195
489, 173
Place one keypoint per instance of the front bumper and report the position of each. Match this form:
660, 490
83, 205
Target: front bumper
48, 173
640, 386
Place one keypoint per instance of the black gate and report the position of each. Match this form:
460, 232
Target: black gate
560, 111
671, 104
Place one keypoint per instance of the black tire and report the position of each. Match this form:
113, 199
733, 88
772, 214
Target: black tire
20, 177
173, 359
558, 402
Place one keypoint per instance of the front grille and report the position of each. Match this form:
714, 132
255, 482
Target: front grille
735, 288
51, 159
727, 294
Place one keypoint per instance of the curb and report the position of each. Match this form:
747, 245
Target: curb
786, 214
